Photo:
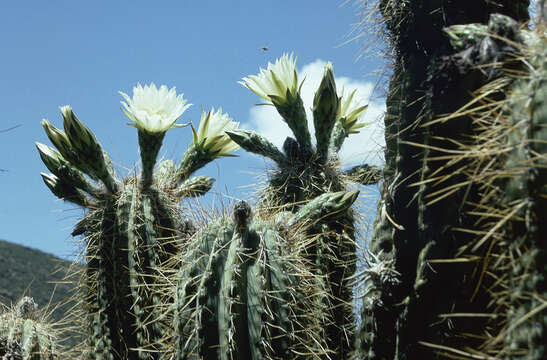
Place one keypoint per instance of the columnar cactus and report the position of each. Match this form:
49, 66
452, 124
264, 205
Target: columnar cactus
132, 227
431, 289
244, 290
304, 172
26, 335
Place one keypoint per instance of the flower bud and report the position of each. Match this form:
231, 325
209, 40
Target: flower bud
50, 157
59, 139
195, 186
326, 106
256, 143
64, 190
81, 137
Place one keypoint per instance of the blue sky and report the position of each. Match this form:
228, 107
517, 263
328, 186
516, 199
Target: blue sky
82, 53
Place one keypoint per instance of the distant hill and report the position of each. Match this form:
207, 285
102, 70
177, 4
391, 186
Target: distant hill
32, 272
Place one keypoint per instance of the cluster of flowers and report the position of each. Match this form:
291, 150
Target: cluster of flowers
157, 110
154, 110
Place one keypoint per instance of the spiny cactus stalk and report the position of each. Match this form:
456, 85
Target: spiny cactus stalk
132, 227
526, 199
244, 290
506, 162
304, 172
26, 335
427, 214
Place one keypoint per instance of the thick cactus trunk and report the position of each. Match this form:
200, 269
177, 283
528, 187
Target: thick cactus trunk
423, 203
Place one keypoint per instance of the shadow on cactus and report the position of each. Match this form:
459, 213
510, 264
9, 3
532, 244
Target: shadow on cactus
506, 161
458, 252
132, 226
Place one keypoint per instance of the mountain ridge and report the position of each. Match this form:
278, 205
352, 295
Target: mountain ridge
32, 272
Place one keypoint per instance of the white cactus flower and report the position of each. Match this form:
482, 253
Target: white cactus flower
276, 80
154, 110
350, 112
211, 136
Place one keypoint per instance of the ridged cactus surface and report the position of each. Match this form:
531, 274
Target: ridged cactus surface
526, 197
244, 290
511, 215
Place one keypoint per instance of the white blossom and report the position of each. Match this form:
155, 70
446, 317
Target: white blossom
350, 112
211, 136
275, 80
154, 110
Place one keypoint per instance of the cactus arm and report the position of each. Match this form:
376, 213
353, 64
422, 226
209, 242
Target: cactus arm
233, 314
138, 264
411, 225
194, 186
294, 114
278, 297
25, 333
100, 294
29, 339
255, 309
209, 298
153, 249
257, 144
329, 204
526, 196
186, 302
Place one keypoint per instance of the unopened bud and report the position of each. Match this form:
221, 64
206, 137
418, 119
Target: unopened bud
326, 106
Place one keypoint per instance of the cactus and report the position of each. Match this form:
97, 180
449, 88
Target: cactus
440, 201
25, 333
244, 290
526, 199
132, 227
305, 172
456, 266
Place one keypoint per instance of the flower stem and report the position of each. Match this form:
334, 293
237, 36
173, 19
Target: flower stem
193, 159
150, 144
